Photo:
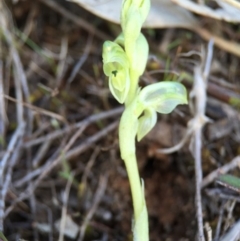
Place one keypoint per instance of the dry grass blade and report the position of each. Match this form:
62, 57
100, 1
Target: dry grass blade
14, 147
62, 65
81, 60
97, 198
3, 116
37, 109
8, 161
21, 84
234, 3
64, 208
199, 93
233, 234
41, 153
229, 46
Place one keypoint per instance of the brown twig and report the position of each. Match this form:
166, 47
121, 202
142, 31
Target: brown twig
199, 93
10, 159
88, 168
81, 60
36, 109
20, 80
62, 66
68, 129
64, 208
3, 116
220, 219
233, 234
97, 198
222, 170
41, 153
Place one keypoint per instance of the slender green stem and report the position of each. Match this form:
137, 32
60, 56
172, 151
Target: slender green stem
127, 134
136, 189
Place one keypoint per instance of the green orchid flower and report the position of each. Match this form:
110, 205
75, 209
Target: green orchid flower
124, 61
146, 122
163, 97
116, 67
160, 97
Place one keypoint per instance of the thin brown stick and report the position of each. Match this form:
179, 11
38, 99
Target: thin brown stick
97, 198
61, 68
68, 129
234, 3
36, 109
64, 208
10, 157
199, 92
88, 168
82, 60
3, 115
222, 170
41, 153
21, 84
233, 234
228, 46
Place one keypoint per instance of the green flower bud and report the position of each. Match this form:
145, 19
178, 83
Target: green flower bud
146, 122
116, 67
133, 8
140, 55
163, 97
133, 15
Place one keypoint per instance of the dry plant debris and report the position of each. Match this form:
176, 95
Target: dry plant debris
60, 168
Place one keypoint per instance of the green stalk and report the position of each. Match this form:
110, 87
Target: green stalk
127, 133
124, 61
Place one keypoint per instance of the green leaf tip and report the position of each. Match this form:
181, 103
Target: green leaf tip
163, 97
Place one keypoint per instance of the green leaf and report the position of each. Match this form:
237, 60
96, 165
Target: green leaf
229, 181
2, 237
163, 97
